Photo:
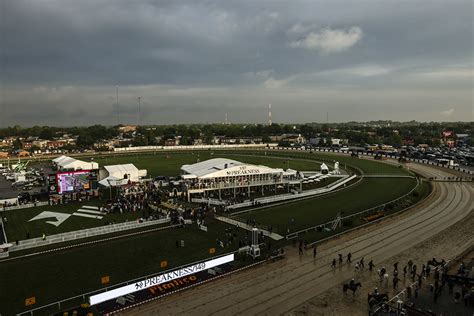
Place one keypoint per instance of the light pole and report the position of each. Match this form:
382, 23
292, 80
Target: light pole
138, 120
117, 104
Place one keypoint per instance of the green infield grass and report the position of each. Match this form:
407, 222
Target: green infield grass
63, 274
369, 192
169, 164
18, 224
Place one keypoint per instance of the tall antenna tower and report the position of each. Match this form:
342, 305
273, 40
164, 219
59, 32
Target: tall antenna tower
270, 114
117, 105
139, 106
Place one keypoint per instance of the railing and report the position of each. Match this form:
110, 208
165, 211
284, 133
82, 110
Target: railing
194, 147
231, 185
4, 235
85, 233
22, 206
208, 201
372, 209
83, 298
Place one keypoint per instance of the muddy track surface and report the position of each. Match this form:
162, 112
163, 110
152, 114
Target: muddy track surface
285, 286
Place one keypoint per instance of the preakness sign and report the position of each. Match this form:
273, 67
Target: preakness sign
159, 279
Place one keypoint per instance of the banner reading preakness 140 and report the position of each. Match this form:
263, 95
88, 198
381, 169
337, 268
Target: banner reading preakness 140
146, 283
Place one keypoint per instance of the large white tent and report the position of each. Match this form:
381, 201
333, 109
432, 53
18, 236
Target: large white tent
117, 175
69, 163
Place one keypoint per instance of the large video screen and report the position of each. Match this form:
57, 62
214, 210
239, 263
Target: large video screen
73, 181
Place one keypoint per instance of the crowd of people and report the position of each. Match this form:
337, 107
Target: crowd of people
432, 275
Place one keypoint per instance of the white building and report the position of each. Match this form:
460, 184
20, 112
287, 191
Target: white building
68, 163
225, 174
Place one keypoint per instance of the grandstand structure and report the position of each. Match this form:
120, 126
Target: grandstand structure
224, 175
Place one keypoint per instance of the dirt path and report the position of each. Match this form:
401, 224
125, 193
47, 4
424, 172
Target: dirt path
298, 283
446, 244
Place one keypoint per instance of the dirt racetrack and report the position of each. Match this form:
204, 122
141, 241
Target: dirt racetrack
299, 285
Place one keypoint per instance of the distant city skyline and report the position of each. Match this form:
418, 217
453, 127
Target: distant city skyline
217, 61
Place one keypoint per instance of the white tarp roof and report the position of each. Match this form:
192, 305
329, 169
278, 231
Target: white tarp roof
119, 172
59, 159
209, 166
324, 167
112, 181
65, 162
122, 169
216, 167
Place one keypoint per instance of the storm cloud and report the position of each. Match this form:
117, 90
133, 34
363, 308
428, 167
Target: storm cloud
195, 61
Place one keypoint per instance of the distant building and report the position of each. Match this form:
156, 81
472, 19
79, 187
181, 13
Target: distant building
26, 145
339, 141
315, 141
447, 134
293, 138
448, 138
40, 143
128, 128
172, 142
21, 153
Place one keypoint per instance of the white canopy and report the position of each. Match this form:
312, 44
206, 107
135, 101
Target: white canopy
206, 167
112, 182
120, 174
221, 167
68, 163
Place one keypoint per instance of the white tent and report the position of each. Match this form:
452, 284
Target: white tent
117, 175
69, 163
59, 159
324, 169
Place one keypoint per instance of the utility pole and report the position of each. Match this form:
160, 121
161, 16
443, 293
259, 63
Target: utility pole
270, 114
139, 116
117, 104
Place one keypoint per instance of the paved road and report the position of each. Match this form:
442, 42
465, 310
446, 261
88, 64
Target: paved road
280, 287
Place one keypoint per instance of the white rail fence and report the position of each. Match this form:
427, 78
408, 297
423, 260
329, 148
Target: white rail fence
22, 206
85, 233
422, 161
358, 214
208, 201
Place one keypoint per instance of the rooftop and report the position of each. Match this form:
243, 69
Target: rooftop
210, 166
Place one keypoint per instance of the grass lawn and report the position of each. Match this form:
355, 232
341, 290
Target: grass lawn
18, 223
368, 193
68, 273
169, 164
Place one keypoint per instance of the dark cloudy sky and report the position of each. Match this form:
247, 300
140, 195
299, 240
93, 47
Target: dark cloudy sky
195, 61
